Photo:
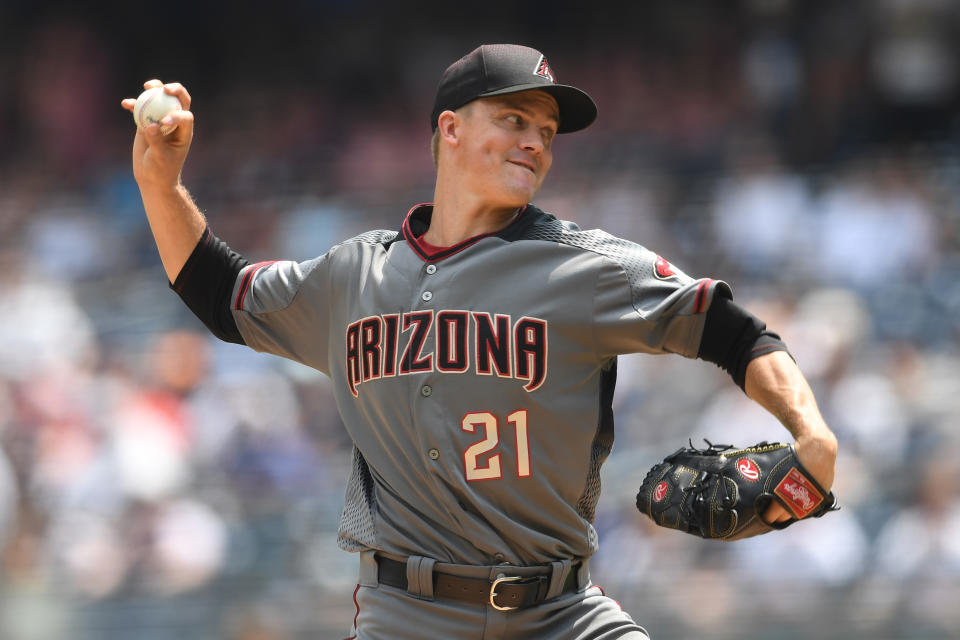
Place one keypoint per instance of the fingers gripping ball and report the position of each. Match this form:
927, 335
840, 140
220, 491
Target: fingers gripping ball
720, 492
154, 105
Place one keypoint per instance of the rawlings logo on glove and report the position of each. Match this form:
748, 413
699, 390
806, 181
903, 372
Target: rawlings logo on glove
721, 492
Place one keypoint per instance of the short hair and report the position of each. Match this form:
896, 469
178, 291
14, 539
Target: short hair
435, 148
435, 140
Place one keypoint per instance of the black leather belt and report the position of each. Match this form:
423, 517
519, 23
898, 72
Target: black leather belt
503, 593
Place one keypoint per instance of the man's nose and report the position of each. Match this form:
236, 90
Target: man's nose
531, 141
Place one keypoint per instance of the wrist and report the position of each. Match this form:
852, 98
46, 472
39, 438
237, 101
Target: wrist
159, 187
821, 438
818, 453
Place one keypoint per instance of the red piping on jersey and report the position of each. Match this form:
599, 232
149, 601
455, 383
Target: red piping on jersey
771, 347
247, 279
427, 252
702, 295
357, 615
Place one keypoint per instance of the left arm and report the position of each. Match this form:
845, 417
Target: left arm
759, 363
775, 382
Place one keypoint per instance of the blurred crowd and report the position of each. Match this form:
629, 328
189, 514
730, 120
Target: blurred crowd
155, 483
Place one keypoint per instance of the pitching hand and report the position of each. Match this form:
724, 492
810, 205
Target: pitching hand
158, 159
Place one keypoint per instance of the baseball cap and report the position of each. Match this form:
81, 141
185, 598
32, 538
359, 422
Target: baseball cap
499, 69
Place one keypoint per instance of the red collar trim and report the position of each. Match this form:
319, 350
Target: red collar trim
429, 248
431, 253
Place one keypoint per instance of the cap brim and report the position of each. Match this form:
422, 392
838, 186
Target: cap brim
577, 109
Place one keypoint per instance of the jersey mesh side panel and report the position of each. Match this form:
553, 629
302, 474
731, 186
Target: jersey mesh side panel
587, 505
356, 531
602, 445
637, 261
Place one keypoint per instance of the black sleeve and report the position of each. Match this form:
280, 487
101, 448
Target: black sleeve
205, 284
732, 337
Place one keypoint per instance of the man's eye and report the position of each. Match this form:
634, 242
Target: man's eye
515, 119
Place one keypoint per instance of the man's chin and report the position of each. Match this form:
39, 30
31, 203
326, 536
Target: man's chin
519, 195
516, 203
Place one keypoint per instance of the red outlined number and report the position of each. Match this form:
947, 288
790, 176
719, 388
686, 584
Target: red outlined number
519, 420
475, 467
471, 457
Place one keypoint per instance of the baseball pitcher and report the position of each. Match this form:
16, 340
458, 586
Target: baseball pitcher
473, 353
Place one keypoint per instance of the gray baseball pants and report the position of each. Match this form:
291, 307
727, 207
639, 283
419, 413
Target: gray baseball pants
387, 613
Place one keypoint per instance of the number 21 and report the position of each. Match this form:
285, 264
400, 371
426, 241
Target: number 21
491, 470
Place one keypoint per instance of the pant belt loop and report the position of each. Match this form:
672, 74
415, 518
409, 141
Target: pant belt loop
558, 576
583, 575
368, 569
420, 577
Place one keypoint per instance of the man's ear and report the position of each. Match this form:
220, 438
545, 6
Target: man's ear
448, 125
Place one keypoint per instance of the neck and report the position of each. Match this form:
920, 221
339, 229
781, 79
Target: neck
459, 217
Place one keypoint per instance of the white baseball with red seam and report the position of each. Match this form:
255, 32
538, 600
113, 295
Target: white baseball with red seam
153, 105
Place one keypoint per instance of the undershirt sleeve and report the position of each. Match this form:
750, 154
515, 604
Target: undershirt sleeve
732, 337
205, 284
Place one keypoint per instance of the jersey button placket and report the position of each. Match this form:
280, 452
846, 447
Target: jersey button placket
426, 390
430, 269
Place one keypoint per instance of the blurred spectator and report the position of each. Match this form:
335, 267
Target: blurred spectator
9, 497
152, 431
189, 547
918, 543
64, 91
868, 415
762, 213
830, 552
914, 57
874, 228
918, 549
772, 70
52, 331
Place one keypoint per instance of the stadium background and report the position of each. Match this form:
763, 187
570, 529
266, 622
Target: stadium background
156, 484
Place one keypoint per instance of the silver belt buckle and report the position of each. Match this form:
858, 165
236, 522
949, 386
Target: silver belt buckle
493, 590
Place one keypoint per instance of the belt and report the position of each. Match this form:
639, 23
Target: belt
505, 592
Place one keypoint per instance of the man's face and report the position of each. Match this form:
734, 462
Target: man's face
506, 145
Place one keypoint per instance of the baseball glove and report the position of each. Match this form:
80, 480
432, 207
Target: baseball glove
720, 492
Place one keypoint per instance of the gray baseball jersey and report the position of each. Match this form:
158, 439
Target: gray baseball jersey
475, 382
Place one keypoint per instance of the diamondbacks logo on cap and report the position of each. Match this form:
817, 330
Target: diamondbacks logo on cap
543, 69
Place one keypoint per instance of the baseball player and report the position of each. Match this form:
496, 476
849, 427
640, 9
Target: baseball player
473, 354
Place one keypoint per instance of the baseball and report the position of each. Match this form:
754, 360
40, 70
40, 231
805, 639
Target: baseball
152, 106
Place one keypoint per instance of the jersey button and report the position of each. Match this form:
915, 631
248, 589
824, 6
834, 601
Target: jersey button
426, 390
434, 454
431, 269
426, 296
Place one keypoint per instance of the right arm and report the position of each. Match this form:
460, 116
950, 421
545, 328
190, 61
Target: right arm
200, 267
266, 314
175, 221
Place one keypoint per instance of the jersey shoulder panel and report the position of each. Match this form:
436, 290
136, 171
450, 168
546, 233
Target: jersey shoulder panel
644, 269
634, 257
278, 282
375, 236
365, 243
270, 286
